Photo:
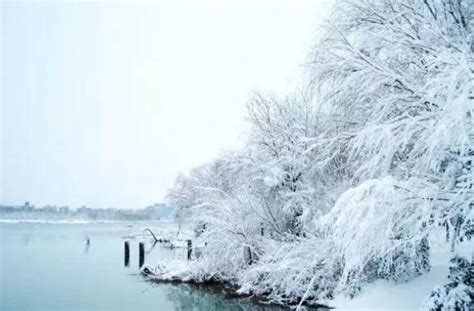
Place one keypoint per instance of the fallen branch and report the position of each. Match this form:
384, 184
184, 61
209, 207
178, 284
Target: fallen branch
151, 232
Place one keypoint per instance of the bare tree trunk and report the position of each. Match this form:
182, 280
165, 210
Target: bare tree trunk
446, 225
456, 231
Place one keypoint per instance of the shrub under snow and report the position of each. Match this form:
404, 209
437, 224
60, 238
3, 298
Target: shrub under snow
379, 229
458, 294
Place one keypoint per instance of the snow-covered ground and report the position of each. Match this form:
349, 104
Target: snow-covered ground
383, 295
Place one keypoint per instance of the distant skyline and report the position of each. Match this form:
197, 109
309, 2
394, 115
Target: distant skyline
103, 104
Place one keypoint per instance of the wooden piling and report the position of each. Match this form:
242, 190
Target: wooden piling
126, 253
190, 248
141, 252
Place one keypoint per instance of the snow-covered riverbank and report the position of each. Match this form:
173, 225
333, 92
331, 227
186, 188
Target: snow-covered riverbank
378, 295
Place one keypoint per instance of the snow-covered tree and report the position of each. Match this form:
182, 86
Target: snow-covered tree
397, 78
363, 169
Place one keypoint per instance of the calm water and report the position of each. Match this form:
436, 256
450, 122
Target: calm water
49, 267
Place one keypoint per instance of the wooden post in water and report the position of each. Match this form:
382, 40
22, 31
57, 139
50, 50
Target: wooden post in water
141, 254
190, 248
127, 253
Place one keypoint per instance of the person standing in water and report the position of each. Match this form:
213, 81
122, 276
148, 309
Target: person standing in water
88, 243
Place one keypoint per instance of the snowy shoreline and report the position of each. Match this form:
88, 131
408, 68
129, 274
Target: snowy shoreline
381, 294
221, 287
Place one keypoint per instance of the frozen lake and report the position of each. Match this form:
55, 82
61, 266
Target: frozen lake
50, 267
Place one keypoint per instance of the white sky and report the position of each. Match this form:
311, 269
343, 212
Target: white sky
103, 104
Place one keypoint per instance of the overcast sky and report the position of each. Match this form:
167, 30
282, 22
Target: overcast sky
103, 104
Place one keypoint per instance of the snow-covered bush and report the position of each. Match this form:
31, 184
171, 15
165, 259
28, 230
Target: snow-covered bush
379, 230
294, 273
458, 294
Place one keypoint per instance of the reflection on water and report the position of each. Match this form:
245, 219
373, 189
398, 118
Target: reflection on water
152, 247
51, 266
188, 297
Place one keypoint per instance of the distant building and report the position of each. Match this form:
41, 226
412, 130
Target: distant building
27, 210
50, 209
7, 209
27, 207
83, 210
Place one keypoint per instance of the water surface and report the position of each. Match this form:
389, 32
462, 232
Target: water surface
50, 267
